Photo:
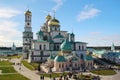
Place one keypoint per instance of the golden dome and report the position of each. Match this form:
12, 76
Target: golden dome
54, 22
28, 13
48, 17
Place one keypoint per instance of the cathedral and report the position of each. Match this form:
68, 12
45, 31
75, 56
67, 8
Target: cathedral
52, 43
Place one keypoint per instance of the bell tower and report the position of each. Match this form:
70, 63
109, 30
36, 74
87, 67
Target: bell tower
27, 34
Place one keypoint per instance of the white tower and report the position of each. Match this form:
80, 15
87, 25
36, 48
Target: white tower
27, 35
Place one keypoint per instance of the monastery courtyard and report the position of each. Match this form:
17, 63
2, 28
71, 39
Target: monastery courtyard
33, 76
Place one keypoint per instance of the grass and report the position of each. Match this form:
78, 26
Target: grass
53, 74
10, 57
103, 72
13, 77
6, 67
26, 64
17, 56
35, 65
85, 77
5, 63
7, 70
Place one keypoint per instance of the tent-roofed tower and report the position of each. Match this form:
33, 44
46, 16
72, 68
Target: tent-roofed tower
27, 34
113, 47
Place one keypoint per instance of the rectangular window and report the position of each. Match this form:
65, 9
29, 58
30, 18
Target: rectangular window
79, 48
40, 47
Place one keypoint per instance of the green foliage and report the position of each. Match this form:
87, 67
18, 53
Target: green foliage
13, 77
103, 72
86, 77
7, 70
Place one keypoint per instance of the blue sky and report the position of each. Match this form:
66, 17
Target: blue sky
96, 22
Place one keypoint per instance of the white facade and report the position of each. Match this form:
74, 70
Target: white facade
49, 39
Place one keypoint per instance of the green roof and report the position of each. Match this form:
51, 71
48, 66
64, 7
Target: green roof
39, 41
89, 57
59, 36
60, 58
65, 45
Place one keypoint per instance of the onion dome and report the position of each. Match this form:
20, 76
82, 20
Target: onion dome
40, 33
48, 17
66, 46
51, 57
60, 58
53, 22
28, 13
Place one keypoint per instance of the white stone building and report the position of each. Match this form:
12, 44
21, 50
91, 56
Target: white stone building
49, 38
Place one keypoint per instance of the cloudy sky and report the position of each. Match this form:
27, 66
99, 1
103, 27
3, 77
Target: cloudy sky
96, 22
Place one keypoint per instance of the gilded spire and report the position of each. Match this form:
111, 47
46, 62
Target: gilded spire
28, 12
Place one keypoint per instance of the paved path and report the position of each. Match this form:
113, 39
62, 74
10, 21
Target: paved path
26, 72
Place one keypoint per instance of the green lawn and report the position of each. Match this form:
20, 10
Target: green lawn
6, 67
35, 65
53, 74
7, 70
5, 63
10, 57
103, 72
13, 77
26, 64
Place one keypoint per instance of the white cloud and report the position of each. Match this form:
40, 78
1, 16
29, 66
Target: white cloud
88, 12
102, 40
9, 32
8, 12
59, 3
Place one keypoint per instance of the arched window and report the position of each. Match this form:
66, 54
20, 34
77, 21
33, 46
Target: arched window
75, 65
44, 47
82, 47
59, 66
55, 29
57, 47
81, 56
32, 53
62, 65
